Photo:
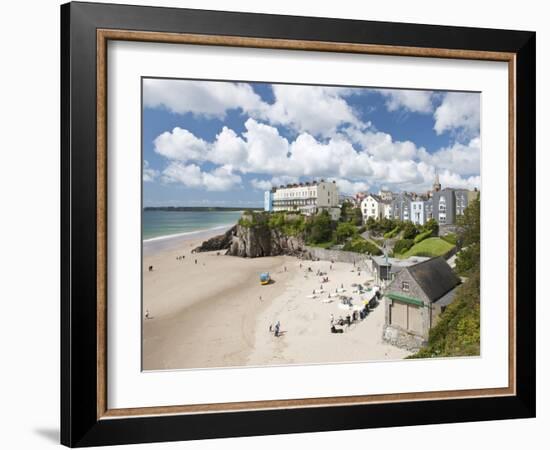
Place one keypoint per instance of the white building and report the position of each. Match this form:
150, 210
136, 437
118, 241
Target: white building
387, 210
417, 212
307, 198
372, 206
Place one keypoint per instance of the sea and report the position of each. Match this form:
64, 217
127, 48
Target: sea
161, 225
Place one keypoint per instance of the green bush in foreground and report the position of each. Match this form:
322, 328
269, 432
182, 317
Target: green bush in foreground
457, 332
360, 245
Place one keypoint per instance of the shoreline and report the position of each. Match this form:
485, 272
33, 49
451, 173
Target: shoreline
209, 310
164, 243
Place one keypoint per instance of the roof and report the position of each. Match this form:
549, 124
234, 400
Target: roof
399, 263
435, 277
448, 298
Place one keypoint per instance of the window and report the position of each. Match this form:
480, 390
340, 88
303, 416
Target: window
405, 286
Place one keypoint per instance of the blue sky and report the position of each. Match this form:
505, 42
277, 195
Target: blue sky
224, 143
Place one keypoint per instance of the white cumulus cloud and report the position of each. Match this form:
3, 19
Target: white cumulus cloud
220, 179
407, 99
458, 112
149, 174
181, 145
463, 159
208, 98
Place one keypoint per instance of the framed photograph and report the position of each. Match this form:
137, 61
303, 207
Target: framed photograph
276, 224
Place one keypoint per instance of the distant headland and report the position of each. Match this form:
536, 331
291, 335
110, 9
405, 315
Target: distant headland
200, 208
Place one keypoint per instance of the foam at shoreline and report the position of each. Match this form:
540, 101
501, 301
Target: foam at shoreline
160, 243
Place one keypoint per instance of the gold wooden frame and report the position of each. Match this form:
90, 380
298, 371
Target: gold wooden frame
104, 35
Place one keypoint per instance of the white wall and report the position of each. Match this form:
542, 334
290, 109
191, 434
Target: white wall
29, 256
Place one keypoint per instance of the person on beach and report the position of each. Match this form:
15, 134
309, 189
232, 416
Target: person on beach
260, 298
332, 319
147, 316
277, 328
195, 261
150, 268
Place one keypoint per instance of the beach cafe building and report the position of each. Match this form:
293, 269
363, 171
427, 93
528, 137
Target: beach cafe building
415, 298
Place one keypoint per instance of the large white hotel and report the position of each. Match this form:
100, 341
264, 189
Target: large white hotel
308, 198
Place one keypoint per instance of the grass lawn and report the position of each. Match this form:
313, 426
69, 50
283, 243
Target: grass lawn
431, 247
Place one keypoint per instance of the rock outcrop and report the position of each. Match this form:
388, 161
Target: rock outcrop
218, 243
253, 242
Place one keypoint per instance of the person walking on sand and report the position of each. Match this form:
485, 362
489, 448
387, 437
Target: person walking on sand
260, 298
277, 328
147, 316
195, 261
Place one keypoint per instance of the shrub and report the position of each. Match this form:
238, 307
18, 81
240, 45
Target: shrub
392, 233
409, 230
433, 226
245, 222
361, 229
361, 245
457, 333
344, 231
403, 245
320, 228
420, 237
467, 259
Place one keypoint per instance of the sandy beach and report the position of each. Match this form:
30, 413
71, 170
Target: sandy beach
209, 310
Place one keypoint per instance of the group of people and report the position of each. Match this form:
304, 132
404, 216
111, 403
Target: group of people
180, 258
355, 316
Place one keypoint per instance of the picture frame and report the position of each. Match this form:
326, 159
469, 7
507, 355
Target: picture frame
86, 419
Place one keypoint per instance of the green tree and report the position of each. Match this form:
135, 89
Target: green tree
468, 237
357, 218
433, 226
320, 228
344, 231
409, 230
457, 331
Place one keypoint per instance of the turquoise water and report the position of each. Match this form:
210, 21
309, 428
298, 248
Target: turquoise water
158, 224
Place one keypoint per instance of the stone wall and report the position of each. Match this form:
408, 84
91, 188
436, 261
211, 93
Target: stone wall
334, 255
402, 339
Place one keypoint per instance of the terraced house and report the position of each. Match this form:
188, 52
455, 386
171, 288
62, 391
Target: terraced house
308, 198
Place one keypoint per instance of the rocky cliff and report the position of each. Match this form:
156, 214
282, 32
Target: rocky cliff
254, 241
